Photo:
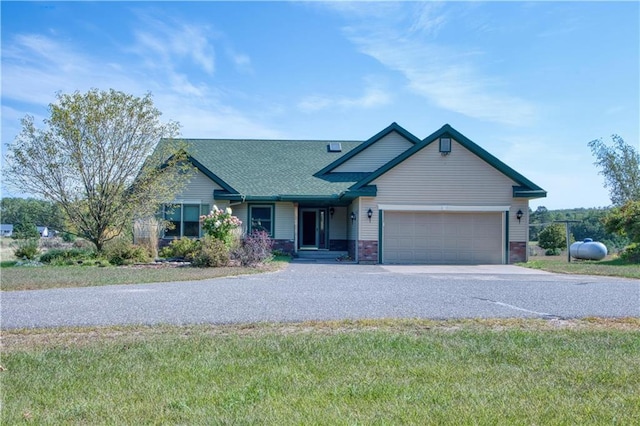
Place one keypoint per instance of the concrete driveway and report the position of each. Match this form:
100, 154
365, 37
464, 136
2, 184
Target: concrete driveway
314, 291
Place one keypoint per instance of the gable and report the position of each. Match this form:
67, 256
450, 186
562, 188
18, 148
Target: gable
373, 153
460, 178
522, 187
376, 155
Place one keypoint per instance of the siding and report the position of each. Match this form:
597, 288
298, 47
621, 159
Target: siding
368, 230
519, 231
353, 226
284, 226
460, 178
376, 155
199, 189
338, 224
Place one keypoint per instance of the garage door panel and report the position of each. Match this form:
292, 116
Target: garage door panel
443, 237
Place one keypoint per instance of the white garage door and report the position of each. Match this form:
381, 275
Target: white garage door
442, 238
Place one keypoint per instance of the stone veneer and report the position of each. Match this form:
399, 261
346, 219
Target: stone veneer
367, 251
517, 251
338, 245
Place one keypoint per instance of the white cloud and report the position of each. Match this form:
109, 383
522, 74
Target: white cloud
446, 75
37, 66
374, 96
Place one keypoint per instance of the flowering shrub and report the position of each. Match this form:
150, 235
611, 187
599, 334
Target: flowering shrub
219, 224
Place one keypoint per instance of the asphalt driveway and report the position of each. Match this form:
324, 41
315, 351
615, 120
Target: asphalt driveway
311, 291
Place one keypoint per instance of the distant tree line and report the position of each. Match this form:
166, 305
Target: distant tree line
25, 214
591, 225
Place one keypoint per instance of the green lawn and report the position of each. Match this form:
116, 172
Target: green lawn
370, 372
612, 267
42, 277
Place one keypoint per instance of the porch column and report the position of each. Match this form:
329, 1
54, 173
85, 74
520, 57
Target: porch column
295, 227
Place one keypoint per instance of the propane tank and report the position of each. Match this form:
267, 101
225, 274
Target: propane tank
588, 250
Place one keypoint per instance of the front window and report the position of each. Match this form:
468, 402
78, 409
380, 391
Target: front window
261, 219
184, 219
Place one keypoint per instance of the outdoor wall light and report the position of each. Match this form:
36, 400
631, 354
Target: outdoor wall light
331, 212
369, 214
519, 215
353, 216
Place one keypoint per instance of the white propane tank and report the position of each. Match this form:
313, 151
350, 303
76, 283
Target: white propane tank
588, 250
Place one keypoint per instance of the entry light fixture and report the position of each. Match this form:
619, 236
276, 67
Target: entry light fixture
331, 211
519, 215
353, 216
369, 214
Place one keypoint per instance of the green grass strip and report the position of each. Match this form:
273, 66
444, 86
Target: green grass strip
370, 372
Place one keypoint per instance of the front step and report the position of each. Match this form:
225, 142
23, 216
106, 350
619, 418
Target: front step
323, 255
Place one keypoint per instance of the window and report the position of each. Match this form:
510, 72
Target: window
184, 219
261, 219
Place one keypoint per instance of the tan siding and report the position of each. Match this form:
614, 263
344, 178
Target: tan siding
519, 231
284, 226
377, 154
338, 224
200, 188
368, 230
353, 226
460, 178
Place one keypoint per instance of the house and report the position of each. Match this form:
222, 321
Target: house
43, 231
393, 198
6, 230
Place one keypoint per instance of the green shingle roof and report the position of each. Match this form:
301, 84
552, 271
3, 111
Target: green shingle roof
299, 170
268, 168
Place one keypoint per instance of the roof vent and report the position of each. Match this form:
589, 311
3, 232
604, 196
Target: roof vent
445, 146
335, 147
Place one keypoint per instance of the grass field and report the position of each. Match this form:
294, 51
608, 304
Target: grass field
609, 267
368, 372
42, 277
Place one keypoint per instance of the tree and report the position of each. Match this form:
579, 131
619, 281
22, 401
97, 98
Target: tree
625, 220
553, 237
31, 210
620, 165
95, 158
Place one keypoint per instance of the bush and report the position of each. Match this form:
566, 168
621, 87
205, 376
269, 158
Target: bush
68, 238
220, 224
254, 249
185, 248
26, 249
553, 252
212, 253
631, 253
552, 237
123, 252
24, 231
71, 256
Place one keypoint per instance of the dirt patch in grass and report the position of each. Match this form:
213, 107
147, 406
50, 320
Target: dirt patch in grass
29, 339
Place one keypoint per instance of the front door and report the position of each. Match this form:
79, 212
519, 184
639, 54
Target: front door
313, 225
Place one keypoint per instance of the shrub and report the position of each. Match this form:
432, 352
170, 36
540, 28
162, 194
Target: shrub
213, 253
254, 249
185, 248
220, 224
83, 244
631, 253
24, 231
123, 252
552, 237
553, 252
26, 249
67, 256
68, 238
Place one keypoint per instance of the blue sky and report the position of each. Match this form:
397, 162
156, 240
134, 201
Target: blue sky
531, 82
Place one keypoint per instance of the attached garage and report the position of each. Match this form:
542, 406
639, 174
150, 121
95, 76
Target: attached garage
443, 237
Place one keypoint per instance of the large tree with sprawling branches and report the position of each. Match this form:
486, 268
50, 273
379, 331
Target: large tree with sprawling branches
96, 158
